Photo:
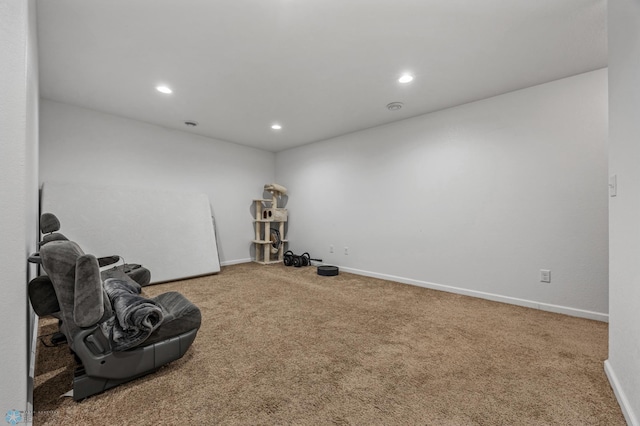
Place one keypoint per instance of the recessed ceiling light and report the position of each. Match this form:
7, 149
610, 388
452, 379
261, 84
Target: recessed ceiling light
394, 106
164, 89
276, 126
405, 78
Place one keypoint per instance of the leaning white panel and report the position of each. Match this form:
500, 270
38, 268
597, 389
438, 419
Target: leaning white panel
170, 233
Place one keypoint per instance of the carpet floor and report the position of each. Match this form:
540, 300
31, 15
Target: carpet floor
285, 346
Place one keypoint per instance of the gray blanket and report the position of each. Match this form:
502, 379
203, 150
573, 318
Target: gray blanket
135, 317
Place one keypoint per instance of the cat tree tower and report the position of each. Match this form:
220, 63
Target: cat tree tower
269, 240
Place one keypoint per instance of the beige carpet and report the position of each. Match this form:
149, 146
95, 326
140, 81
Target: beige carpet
285, 346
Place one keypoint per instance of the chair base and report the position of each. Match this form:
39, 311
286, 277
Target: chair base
85, 386
148, 360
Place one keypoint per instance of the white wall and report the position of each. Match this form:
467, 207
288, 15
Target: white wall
623, 365
18, 193
479, 197
81, 145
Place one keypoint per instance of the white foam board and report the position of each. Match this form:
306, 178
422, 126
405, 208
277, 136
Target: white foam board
170, 233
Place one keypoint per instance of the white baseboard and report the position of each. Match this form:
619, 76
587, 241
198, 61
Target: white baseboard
631, 419
235, 262
598, 316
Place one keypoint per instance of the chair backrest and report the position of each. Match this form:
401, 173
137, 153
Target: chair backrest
76, 279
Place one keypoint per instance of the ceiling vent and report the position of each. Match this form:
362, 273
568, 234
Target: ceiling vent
395, 106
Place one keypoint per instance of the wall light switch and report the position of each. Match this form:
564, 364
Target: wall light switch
613, 185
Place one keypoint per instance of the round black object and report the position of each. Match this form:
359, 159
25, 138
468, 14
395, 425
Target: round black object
328, 271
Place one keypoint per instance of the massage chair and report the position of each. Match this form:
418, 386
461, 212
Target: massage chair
114, 332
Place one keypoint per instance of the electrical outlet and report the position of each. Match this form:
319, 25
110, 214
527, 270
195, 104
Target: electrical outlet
331, 248
545, 276
346, 251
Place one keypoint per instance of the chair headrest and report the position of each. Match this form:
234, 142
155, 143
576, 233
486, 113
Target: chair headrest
49, 223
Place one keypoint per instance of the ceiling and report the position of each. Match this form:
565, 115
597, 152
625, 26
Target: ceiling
320, 68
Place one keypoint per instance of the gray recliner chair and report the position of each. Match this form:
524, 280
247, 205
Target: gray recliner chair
115, 333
